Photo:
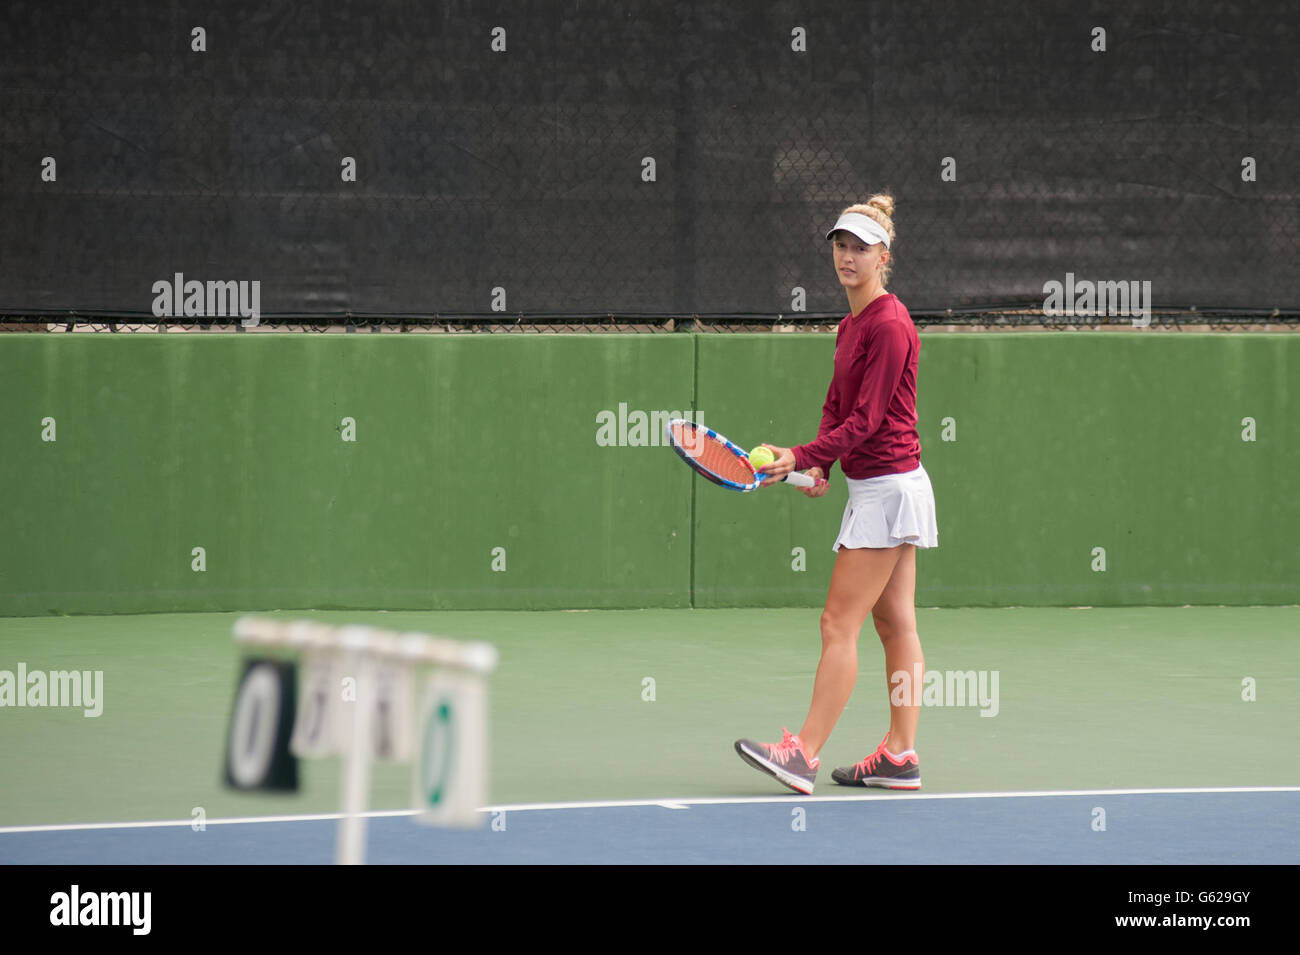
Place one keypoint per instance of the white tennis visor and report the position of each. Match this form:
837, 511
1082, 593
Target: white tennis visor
864, 227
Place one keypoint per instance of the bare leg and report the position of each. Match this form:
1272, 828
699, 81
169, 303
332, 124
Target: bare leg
859, 578
894, 616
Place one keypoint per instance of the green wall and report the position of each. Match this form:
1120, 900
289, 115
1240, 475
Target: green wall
1129, 442
478, 453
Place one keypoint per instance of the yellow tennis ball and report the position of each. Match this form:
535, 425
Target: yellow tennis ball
761, 457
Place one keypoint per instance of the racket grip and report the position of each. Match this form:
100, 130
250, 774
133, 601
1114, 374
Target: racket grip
799, 479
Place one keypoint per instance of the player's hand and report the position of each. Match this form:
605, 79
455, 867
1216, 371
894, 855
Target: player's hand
779, 468
818, 489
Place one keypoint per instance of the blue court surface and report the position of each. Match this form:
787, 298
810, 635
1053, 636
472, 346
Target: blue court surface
1205, 826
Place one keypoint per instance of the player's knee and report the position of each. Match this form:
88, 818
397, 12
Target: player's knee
837, 627
885, 628
890, 628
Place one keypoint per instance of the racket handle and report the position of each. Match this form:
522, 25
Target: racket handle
799, 479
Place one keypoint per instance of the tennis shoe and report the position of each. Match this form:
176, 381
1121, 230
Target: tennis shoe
882, 770
785, 761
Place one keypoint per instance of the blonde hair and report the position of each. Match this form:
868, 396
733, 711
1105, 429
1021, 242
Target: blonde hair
881, 208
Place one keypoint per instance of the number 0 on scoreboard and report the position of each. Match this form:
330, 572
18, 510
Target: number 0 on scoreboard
451, 769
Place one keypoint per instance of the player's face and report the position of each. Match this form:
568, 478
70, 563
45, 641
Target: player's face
856, 263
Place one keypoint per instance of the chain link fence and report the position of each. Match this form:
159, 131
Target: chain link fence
566, 165
1025, 320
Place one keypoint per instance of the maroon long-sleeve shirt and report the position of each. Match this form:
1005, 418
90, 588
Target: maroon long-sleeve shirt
869, 418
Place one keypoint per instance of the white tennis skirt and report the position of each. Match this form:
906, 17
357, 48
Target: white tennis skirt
889, 510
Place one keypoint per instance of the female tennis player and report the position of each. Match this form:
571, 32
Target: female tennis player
868, 425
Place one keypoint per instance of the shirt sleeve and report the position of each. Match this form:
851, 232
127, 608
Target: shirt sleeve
802, 462
888, 347
828, 422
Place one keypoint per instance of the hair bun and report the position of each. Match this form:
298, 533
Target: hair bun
883, 202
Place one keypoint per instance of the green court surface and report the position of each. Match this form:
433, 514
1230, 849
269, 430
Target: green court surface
1086, 699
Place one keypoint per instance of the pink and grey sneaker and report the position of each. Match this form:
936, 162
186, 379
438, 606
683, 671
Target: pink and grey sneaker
882, 770
785, 761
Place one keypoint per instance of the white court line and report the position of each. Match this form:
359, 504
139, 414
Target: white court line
171, 823
865, 797
685, 803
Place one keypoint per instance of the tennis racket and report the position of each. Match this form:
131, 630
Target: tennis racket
719, 460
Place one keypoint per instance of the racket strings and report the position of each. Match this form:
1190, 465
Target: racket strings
712, 455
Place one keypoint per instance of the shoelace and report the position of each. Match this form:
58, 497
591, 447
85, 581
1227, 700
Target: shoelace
781, 751
868, 765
